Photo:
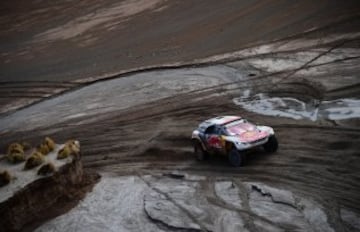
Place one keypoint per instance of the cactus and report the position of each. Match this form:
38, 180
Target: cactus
5, 178
34, 160
46, 169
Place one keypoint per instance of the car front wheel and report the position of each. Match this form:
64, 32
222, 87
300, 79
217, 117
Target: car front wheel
235, 157
199, 152
271, 145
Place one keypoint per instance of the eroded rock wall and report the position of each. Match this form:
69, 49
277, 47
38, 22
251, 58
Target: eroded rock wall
41, 199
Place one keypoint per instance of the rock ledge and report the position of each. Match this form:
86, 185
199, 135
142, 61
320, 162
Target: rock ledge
46, 197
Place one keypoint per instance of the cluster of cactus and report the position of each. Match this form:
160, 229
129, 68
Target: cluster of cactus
71, 147
34, 160
15, 153
5, 178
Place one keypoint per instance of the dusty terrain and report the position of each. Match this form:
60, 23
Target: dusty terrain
294, 67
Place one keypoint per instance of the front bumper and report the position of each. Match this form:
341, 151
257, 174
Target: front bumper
249, 145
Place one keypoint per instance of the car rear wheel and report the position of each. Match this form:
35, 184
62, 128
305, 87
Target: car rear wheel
199, 152
271, 145
235, 157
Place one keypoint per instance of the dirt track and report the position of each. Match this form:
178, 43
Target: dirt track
141, 123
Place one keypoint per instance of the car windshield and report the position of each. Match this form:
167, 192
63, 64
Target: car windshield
239, 126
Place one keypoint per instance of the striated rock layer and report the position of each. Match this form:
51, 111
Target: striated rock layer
46, 197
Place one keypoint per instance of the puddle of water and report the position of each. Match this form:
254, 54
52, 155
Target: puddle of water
346, 108
287, 107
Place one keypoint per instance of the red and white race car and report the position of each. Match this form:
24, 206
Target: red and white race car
231, 136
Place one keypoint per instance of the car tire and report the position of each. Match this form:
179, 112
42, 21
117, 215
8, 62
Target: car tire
271, 145
235, 157
199, 152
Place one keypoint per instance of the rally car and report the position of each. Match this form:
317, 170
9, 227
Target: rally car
231, 136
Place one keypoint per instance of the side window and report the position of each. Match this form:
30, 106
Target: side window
222, 131
217, 130
210, 130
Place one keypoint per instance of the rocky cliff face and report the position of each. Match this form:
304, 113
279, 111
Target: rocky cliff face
46, 197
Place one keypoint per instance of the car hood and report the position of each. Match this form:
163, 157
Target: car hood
251, 136
246, 132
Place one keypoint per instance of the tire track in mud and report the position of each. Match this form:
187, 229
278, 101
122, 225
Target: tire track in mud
300, 165
183, 209
208, 187
29, 97
17, 95
130, 126
302, 162
303, 166
246, 214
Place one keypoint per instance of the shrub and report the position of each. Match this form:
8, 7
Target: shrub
43, 149
15, 148
5, 178
71, 147
15, 153
26, 146
46, 169
74, 146
46, 146
64, 152
15, 157
50, 143
34, 160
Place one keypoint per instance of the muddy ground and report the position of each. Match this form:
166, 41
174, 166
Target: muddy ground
297, 73
49, 47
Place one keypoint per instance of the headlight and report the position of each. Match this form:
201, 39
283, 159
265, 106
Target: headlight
242, 143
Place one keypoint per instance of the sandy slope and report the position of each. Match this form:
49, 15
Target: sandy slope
46, 47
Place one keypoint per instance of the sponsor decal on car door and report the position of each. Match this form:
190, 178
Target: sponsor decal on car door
214, 141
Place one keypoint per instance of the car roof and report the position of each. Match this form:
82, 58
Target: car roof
220, 120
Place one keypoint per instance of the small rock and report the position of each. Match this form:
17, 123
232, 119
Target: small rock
5, 178
46, 169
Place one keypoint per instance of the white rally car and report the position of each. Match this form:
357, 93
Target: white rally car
231, 136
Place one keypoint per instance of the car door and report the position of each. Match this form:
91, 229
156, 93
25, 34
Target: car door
213, 138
